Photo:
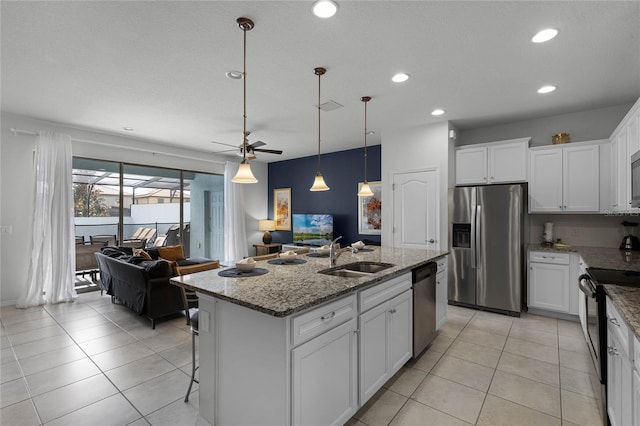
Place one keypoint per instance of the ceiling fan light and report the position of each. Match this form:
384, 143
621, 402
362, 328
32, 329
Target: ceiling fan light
365, 190
244, 174
318, 183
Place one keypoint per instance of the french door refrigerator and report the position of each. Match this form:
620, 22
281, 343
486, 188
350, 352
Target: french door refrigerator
487, 236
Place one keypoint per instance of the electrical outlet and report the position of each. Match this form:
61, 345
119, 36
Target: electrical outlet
6, 230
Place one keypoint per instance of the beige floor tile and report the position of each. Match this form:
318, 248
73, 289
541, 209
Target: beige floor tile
172, 337
180, 355
74, 315
414, 413
570, 329
134, 373
159, 392
577, 381
505, 319
115, 408
536, 322
457, 319
35, 335
67, 399
573, 344
427, 360
530, 368
406, 381
106, 343
490, 325
535, 336
20, 414
532, 350
27, 324
527, 392
500, 412
482, 338
51, 359
62, 375
77, 325
441, 343
577, 360
10, 371
464, 372
460, 311
580, 409
451, 330
352, 422
382, 408
7, 356
185, 413
120, 356
95, 332
4, 341
143, 422
41, 346
475, 353
12, 392
450, 397
13, 315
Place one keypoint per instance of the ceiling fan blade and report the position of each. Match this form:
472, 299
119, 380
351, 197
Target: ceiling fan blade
221, 143
268, 151
257, 144
226, 150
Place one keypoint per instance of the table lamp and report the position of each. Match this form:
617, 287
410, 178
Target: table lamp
266, 225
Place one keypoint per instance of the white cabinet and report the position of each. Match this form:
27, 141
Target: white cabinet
619, 368
549, 281
441, 293
385, 342
324, 378
495, 162
636, 397
565, 179
625, 141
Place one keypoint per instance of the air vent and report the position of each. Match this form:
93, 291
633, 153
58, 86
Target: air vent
330, 106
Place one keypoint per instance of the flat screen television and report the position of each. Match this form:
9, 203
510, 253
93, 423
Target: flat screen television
312, 229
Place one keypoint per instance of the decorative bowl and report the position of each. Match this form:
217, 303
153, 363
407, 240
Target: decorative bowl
560, 138
288, 257
246, 266
358, 245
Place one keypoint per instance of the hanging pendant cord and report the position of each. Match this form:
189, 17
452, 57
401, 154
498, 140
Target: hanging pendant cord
244, 97
365, 141
319, 75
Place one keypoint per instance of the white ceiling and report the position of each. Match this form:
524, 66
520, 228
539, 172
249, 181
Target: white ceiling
159, 67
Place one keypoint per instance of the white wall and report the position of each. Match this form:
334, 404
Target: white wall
16, 197
414, 149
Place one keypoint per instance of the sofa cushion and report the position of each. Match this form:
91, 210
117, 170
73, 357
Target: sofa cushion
172, 252
117, 252
154, 268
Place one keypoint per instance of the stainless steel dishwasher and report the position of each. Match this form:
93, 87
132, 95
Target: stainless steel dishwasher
424, 306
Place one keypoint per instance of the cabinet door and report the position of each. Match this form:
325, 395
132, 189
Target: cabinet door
581, 178
401, 331
324, 378
636, 397
615, 175
545, 186
441, 299
374, 362
614, 380
508, 162
624, 171
471, 166
549, 287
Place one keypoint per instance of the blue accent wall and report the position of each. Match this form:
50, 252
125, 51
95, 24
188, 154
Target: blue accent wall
341, 171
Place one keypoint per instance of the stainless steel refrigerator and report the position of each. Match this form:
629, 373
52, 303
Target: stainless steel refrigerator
487, 237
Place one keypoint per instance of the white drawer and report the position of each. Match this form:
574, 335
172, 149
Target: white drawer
442, 264
323, 318
378, 293
636, 353
549, 257
620, 327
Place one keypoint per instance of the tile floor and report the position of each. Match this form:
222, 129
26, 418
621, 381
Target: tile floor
93, 362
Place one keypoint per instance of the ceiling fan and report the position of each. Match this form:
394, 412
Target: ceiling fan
251, 148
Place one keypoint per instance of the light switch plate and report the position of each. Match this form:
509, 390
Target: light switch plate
6, 230
204, 321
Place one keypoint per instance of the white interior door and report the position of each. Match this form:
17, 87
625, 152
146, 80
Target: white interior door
416, 206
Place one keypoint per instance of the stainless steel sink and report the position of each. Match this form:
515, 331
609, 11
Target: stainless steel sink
357, 269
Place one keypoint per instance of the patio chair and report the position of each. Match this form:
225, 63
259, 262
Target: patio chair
108, 240
86, 261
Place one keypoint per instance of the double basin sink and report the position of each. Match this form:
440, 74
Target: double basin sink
356, 269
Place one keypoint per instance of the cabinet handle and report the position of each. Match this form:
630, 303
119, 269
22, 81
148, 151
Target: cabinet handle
392, 311
328, 317
560, 207
613, 350
565, 207
432, 241
438, 282
484, 178
614, 321
356, 331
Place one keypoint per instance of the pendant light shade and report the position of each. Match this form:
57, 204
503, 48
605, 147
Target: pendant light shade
318, 183
244, 174
365, 190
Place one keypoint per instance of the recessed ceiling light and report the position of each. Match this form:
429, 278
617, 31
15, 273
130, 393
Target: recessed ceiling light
324, 8
400, 77
437, 111
234, 75
128, 129
546, 89
544, 35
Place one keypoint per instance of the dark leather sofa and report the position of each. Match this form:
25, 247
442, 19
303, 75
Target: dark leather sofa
143, 287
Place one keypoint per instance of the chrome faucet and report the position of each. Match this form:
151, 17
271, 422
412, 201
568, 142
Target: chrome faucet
335, 254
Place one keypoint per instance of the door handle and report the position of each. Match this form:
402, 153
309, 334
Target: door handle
432, 241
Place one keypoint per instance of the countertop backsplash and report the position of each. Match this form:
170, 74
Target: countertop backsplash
582, 229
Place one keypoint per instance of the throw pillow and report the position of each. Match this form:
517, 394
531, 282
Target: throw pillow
141, 253
174, 253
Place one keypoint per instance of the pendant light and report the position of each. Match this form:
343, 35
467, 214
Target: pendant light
318, 182
244, 174
365, 190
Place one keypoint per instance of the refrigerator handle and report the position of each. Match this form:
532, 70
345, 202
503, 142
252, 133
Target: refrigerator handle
473, 237
478, 238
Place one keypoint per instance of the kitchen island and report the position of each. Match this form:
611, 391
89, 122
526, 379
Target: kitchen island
290, 346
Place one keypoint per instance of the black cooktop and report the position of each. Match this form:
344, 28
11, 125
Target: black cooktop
611, 276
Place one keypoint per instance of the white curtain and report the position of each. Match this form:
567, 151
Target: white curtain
235, 235
52, 260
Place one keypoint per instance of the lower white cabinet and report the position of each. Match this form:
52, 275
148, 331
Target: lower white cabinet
442, 297
549, 281
385, 342
324, 377
636, 397
620, 394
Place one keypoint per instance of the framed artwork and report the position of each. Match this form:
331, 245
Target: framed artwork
282, 208
370, 210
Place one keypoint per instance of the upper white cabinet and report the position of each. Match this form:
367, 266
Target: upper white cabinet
565, 179
625, 141
494, 162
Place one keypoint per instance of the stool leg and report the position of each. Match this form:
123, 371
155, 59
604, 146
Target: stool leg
193, 365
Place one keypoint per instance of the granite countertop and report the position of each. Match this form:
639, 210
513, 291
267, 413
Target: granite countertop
627, 302
599, 257
287, 289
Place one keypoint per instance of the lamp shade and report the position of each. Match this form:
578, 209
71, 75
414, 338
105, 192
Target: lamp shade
266, 225
318, 184
365, 190
244, 174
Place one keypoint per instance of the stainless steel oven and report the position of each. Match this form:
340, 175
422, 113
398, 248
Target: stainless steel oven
591, 319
